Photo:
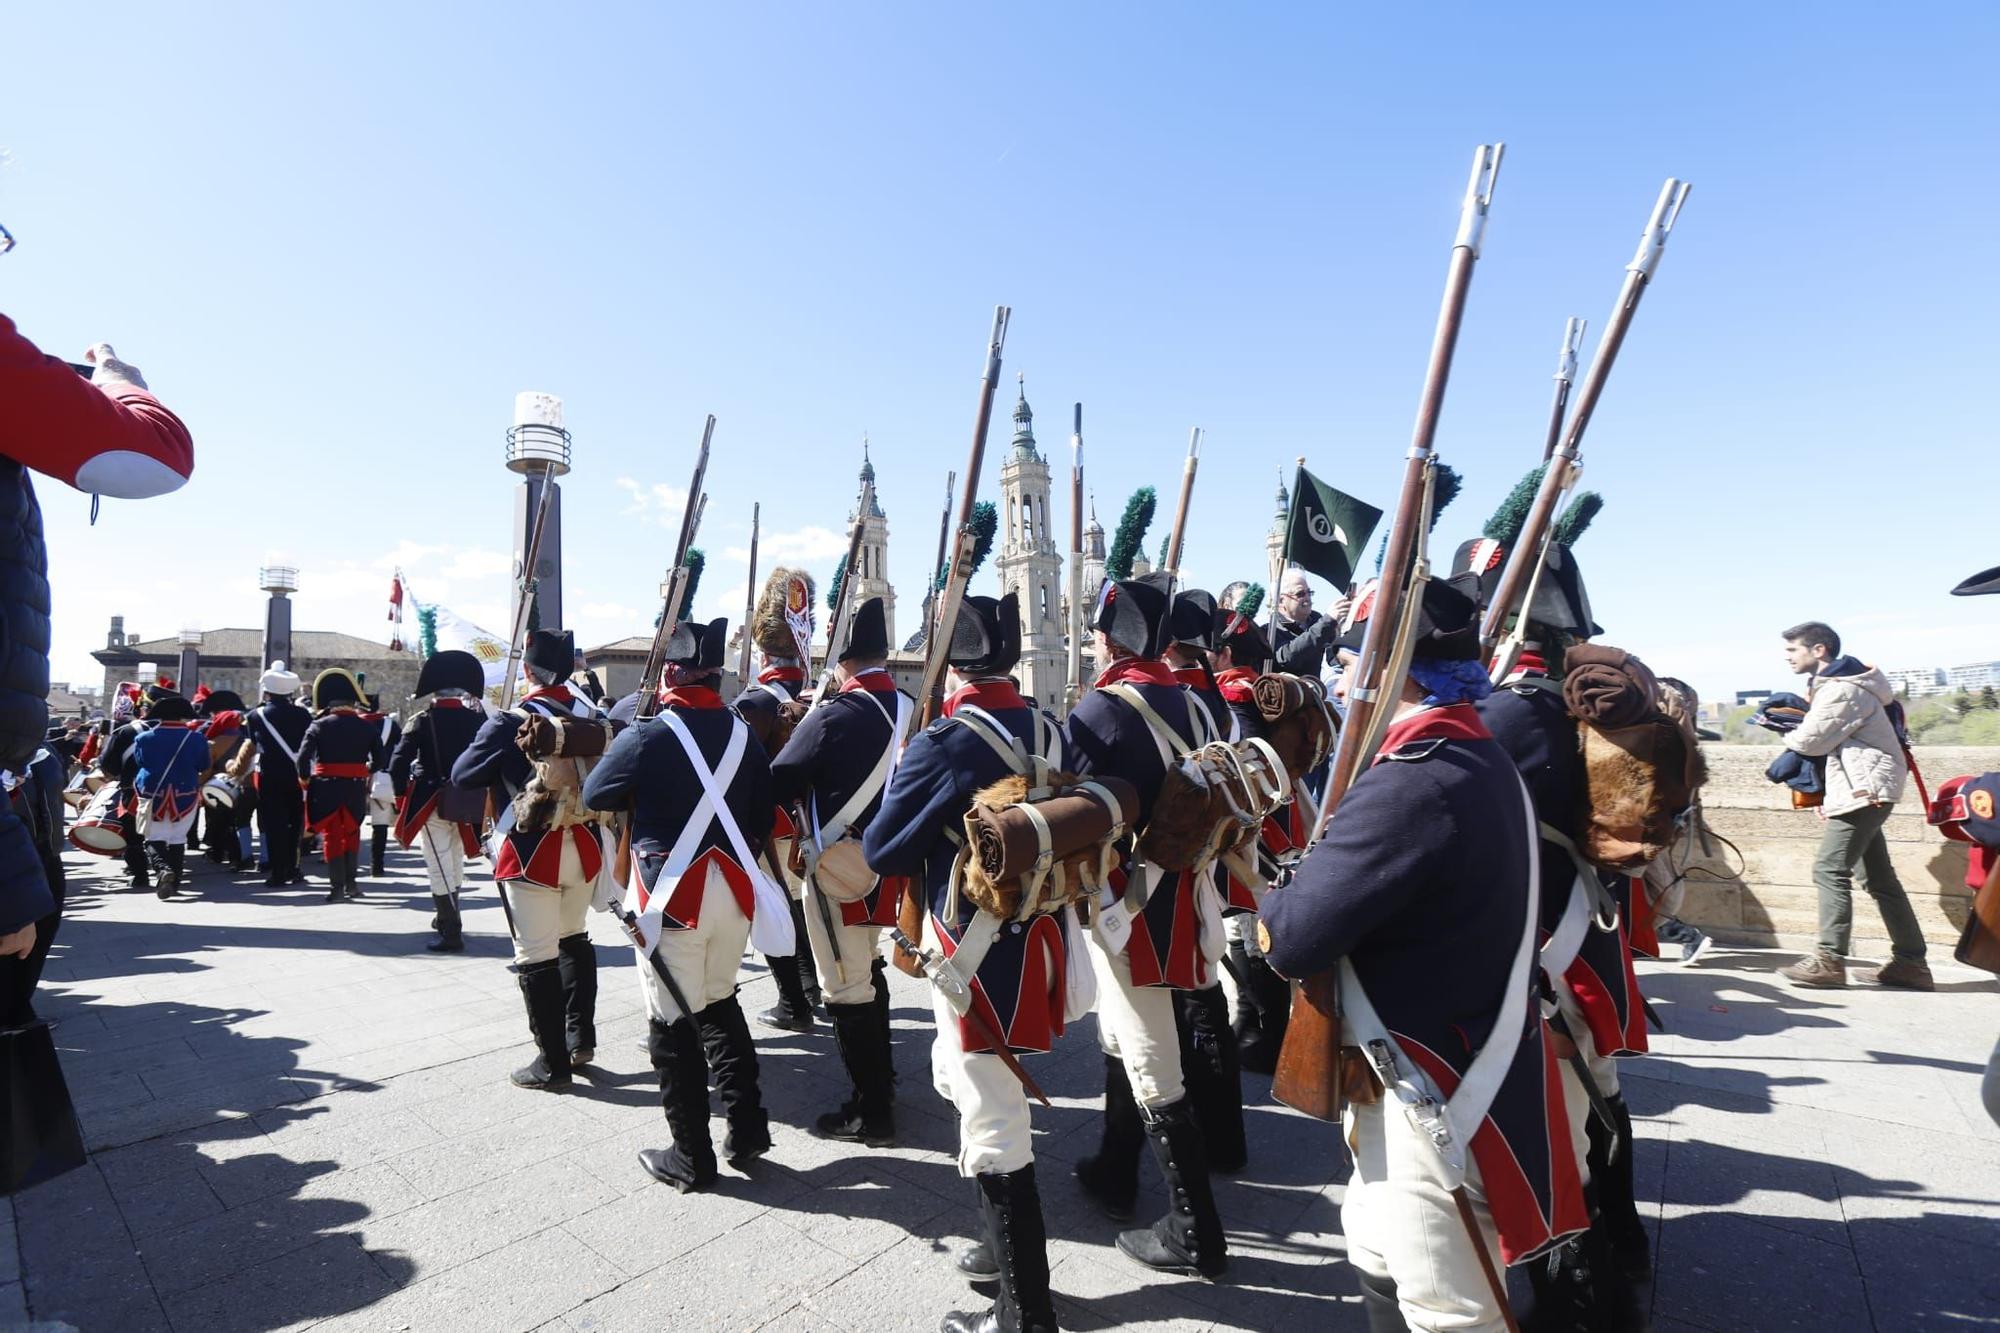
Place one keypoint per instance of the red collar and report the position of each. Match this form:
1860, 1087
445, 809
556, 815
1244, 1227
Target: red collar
1453, 722
1136, 670
1193, 675
690, 698
559, 692
1529, 663
1236, 684
450, 702
790, 674
987, 694
876, 680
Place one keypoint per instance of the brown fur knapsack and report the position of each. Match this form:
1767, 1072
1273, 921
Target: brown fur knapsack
1642, 764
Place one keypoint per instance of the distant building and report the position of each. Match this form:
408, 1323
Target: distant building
1752, 697
1918, 682
1973, 676
232, 659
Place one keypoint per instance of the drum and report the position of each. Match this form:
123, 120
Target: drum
82, 787
221, 792
97, 829
381, 800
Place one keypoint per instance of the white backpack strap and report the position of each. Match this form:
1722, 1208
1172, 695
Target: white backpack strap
835, 828
1170, 742
285, 747
987, 727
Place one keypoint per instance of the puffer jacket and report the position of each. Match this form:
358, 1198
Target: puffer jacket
1849, 724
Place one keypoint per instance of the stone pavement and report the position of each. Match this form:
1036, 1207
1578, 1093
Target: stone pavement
299, 1118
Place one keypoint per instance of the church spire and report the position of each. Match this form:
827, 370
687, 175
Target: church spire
1024, 421
868, 480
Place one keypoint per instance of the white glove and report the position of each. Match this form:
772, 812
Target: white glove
110, 370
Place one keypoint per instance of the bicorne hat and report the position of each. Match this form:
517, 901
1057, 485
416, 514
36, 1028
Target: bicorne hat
1133, 613
452, 669
986, 637
867, 632
336, 685
1191, 622
698, 648
553, 651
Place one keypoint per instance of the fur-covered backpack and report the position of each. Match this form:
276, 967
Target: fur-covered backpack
1642, 762
1215, 795
563, 750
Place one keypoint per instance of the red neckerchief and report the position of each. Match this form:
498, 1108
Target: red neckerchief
1137, 671
558, 692
987, 694
450, 702
373, 717
1529, 663
790, 674
876, 680
1236, 683
1452, 722
1192, 676
690, 698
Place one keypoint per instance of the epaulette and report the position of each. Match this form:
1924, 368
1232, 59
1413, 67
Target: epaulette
1417, 749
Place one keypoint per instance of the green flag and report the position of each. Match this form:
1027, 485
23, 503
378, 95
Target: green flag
1329, 529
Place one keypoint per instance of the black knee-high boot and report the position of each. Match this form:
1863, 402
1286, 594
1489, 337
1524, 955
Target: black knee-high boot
1272, 996
578, 958
1623, 1226
1011, 1207
175, 857
869, 1116
378, 848
1189, 1238
732, 1057
450, 926
351, 871
880, 970
675, 1049
1111, 1178
1214, 1081
542, 992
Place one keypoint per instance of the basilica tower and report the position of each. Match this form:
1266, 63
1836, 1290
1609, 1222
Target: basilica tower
872, 579
1030, 566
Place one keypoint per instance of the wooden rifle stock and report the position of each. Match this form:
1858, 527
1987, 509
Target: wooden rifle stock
1530, 548
1308, 1064
676, 590
528, 586
930, 697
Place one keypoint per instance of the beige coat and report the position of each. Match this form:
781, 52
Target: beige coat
1849, 724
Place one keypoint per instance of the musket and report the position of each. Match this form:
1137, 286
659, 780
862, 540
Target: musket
1307, 1074
1181, 511
931, 696
1075, 690
944, 536
1565, 372
630, 922
1531, 547
530, 586
749, 598
936, 969
676, 586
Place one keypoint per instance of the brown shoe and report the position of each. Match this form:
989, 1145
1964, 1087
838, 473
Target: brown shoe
1904, 974
1818, 970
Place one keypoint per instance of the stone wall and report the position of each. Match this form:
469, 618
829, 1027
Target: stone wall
1770, 899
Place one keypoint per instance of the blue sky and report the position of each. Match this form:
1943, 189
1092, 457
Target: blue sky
340, 241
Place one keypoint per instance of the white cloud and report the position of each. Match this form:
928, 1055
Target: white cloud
608, 611
658, 503
801, 544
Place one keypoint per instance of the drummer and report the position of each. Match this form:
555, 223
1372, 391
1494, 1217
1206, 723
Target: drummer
225, 820
165, 766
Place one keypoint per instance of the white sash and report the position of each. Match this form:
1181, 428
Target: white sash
771, 923
1450, 1123
892, 754
278, 738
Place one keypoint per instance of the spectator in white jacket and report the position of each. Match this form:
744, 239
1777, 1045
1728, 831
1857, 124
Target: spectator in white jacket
1850, 726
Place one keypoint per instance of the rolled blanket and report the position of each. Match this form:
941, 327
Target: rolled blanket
543, 737
1295, 721
1278, 695
1006, 842
1609, 687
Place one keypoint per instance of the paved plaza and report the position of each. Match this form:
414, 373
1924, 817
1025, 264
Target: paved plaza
298, 1118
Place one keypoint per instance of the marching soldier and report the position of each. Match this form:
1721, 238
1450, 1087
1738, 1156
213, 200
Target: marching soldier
381, 811
275, 729
1158, 937
441, 818
128, 713
1210, 1063
1585, 916
1422, 895
225, 829
781, 627
339, 754
548, 874
698, 789
838, 762
1018, 982
164, 766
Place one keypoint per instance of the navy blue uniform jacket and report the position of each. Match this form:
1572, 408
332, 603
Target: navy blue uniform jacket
1421, 881
285, 721
495, 761
831, 753
646, 771
1021, 982
340, 738
1108, 736
424, 757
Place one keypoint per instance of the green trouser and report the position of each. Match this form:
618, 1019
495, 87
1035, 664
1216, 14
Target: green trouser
1855, 840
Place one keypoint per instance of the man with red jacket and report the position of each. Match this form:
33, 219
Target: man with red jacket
109, 436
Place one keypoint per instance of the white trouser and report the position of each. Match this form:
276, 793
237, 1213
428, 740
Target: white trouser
443, 850
1576, 1101
852, 982
994, 1133
1603, 1068
539, 916
1136, 1024
703, 960
1401, 1223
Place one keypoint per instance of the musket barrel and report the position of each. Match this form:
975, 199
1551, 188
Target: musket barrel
1565, 374
1074, 674
1181, 511
749, 597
